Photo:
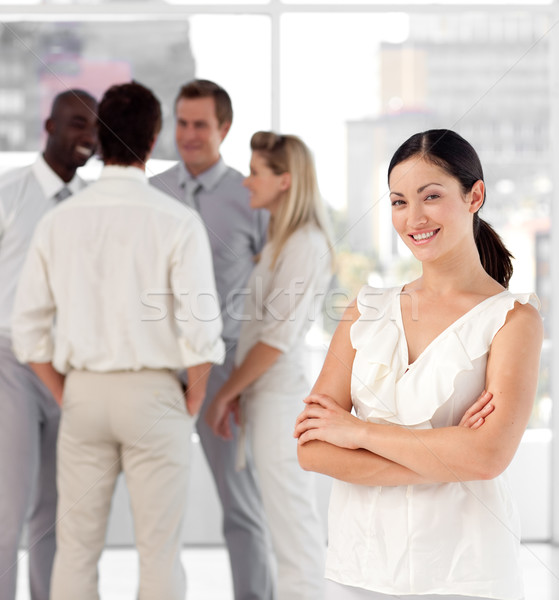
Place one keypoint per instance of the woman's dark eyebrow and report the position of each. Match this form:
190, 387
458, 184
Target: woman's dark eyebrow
420, 189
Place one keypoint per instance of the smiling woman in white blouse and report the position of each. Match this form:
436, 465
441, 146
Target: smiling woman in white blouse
284, 296
420, 505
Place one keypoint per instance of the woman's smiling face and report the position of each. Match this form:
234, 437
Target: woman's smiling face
266, 188
429, 209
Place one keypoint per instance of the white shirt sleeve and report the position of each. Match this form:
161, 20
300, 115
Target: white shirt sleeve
300, 282
34, 307
197, 314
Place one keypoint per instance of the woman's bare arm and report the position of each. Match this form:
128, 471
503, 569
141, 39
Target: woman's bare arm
352, 465
451, 453
258, 360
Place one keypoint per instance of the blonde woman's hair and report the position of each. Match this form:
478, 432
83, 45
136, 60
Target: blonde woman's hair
302, 203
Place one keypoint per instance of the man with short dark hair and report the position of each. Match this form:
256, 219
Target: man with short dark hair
30, 415
126, 272
237, 233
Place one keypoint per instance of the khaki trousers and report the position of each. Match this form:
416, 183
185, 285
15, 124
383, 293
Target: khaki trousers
134, 422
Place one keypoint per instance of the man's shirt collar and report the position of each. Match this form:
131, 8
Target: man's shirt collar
208, 179
49, 181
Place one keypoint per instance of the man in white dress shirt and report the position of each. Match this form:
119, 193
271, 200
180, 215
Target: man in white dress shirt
203, 181
126, 272
30, 416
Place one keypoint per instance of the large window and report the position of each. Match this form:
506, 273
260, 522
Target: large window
368, 81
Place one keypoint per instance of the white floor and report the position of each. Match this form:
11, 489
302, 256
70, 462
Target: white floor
209, 576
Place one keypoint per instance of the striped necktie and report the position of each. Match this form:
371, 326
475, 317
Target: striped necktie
192, 187
63, 194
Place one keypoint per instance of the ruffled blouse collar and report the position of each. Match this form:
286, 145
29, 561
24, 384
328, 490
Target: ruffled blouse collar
385, 387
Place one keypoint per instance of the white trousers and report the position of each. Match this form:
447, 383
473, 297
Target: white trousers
338, 591
244, 527
135, 422
288, 495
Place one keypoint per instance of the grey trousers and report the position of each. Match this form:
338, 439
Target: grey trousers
28, 432
244, 526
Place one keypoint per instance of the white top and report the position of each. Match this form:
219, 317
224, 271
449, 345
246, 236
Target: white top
446, 538
26, 194
126, 272
282, 303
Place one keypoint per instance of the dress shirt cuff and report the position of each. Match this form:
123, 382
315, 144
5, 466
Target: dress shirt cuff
39, 350
214, 353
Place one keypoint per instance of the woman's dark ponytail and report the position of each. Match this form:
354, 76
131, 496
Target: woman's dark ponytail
495, 258
450, 151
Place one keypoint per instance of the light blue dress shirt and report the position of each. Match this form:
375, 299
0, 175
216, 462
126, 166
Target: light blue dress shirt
237, 233
26, 194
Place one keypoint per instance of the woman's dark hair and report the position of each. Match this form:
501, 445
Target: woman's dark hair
452, 153
129, 119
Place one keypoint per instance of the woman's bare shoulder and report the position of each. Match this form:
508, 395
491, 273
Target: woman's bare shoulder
523, 326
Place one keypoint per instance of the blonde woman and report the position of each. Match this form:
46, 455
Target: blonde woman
284, 296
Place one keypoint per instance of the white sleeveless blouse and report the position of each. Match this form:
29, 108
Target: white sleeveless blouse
447, 538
